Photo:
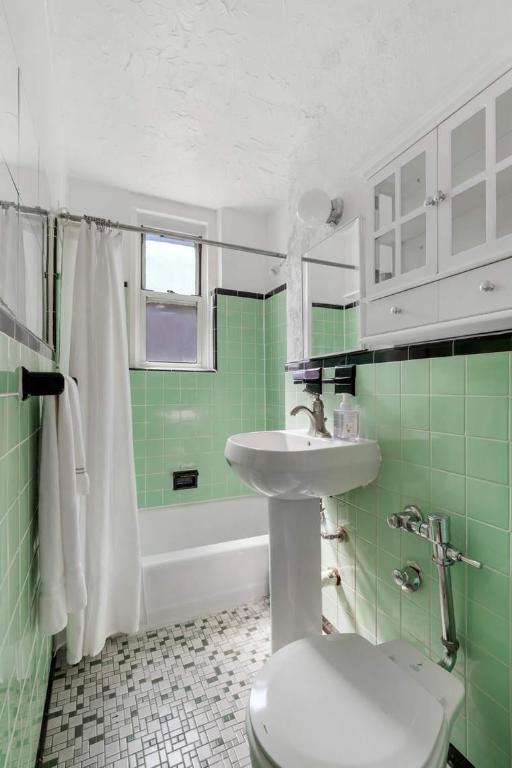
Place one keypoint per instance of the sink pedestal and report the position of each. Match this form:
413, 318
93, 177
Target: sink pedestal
295, 565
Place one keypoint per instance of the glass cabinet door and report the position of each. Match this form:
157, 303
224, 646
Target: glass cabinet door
475, 179
402, 238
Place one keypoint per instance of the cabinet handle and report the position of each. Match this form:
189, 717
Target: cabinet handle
486, 286
395, 310
433, 200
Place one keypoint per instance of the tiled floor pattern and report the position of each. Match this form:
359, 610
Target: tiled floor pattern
169, 697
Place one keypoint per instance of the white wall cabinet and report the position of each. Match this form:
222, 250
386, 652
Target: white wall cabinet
442, 207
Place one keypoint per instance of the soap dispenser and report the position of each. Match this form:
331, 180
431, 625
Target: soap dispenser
346, 420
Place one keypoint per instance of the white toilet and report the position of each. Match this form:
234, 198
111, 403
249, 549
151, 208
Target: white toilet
340, 702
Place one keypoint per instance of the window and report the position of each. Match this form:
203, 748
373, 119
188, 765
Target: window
173, 317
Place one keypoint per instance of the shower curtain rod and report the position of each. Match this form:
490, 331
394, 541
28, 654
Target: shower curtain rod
36, 211
142, 228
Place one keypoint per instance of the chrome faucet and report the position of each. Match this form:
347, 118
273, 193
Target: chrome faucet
316, 418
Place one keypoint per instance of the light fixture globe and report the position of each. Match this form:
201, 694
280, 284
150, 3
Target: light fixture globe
314, 207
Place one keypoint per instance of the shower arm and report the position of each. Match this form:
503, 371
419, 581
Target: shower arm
436, 530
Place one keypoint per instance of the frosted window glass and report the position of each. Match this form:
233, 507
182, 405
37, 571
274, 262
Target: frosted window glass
172, 266
171, 333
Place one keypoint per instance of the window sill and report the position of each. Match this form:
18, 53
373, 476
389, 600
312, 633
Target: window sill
172, 369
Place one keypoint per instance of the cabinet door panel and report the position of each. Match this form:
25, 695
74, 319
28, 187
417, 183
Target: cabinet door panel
402, 236
477, 292
474, 171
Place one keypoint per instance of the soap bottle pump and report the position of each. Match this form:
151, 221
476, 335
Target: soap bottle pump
346, 420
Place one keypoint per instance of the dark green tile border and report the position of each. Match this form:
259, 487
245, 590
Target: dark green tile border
466, 345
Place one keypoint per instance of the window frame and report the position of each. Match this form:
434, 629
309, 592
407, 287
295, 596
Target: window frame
201, 301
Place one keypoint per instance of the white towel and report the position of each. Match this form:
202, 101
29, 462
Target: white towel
63, 477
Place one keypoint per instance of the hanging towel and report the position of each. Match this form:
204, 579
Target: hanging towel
63, 478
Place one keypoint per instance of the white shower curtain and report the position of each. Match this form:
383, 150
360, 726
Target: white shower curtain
99, 360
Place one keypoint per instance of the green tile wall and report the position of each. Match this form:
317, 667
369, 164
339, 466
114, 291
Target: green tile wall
333, 330
275, 359
24, 651
444, 427
181, 420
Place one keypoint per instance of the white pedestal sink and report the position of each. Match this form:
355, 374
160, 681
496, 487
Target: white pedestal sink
294, 471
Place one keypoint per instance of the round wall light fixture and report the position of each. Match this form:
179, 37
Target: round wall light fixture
315, 208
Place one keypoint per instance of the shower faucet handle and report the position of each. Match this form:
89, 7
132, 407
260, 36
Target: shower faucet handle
455, 556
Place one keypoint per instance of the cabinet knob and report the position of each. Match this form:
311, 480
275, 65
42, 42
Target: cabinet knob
435, 199
486, 286
394, 310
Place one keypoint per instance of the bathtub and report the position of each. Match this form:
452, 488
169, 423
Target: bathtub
201, 558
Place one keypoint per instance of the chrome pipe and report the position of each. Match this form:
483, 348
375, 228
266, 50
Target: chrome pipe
436, 530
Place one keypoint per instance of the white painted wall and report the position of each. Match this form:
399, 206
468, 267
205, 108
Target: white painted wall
40, 116
262, 229
236, 270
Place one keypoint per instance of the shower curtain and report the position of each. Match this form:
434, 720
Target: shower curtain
98, 358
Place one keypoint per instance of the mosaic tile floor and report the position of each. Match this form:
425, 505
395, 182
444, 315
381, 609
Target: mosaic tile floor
169, 697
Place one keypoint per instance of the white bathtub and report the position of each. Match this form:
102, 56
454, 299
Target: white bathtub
201, 558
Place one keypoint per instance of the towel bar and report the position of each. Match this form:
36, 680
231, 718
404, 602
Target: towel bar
37, 384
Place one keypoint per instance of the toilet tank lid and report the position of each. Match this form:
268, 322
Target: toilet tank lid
337, 701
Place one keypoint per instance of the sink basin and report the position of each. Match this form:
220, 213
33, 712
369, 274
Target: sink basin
289, 464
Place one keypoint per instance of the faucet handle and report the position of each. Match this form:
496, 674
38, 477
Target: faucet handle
455, 556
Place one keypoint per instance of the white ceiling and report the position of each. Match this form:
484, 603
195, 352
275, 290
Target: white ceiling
235, 102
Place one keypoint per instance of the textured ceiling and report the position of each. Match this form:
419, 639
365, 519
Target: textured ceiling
235, 102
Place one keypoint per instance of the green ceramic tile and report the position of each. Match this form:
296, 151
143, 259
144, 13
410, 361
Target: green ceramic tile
390, 442
487, 374
448, 452
447, 376
387, 629
487, 459
415, 412
390, 475
488, 502
490, 545
487, 417
483, 752
387, 409
489, 716
490, 589
416, 377
416, 446
387, 378
447, 414
448, 491
415, 483
415, 621
365, 380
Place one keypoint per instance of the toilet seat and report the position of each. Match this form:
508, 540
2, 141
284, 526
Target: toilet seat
338, 702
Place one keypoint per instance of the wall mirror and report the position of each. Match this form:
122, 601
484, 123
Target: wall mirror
23, 188
330, 286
